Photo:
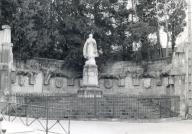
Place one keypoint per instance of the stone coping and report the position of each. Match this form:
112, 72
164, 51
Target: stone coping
75, 94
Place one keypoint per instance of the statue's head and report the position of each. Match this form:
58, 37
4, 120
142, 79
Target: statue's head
90, 35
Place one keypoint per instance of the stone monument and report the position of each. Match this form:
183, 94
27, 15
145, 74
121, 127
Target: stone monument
90, 72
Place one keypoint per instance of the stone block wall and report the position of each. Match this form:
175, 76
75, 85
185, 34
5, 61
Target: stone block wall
38, 76
152, 78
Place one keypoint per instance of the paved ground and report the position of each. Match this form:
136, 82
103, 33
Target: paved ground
14, 128
117, 127
177, 127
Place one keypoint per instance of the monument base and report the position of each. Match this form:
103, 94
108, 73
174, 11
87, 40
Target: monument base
90, 76
90, 86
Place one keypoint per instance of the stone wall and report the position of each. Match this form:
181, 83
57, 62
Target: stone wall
42, 76
152, 78
49, 76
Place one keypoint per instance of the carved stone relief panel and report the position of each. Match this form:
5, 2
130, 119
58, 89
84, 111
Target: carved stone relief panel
59, 82
171, 80
159, 81
147, 83
108, 83
165, 81
47, 77
13, 77
32, 78
135, 80
21, 80
121, 82
70, 82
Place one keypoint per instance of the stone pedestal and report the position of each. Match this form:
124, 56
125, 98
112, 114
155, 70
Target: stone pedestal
90, 86
90, 76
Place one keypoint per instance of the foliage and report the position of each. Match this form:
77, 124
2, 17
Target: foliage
172, 16
58, 29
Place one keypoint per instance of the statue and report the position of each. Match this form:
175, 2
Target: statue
90, 50
90, 81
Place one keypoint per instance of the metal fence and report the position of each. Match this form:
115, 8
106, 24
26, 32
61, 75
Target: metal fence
108, 106
50, 111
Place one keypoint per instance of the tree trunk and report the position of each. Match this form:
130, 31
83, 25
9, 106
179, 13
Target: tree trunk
167, 31
158, 42
173, 38
167, 46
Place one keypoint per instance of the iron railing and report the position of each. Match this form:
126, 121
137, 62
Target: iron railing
50, 111
108, 106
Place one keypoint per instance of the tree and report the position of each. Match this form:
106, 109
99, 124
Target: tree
172, 16
58, 29
19, 15
167, 13
145, 25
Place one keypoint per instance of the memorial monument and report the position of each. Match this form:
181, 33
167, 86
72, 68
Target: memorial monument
90, 72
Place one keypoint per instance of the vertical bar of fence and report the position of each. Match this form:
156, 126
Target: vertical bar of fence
26, 107
170, 107
113, 112
8, 109
69, 125
160, 107
95, 106
138, 116
178, 105
46, 109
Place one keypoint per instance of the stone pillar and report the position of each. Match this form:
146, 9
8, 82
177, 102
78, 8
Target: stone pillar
7, 54
6, 60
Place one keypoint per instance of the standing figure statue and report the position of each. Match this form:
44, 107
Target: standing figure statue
90, 50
